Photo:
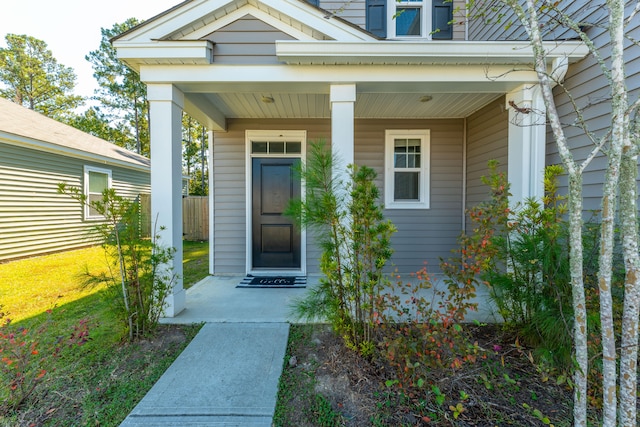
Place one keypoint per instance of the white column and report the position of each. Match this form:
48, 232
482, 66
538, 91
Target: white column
342, 99
212, 206
165, 105
527, 138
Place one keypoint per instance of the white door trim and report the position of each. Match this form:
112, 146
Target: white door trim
280, 135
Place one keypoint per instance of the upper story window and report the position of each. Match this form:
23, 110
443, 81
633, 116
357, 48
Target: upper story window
427, 19
96, 180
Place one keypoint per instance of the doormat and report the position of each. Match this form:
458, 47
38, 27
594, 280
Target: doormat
273, 282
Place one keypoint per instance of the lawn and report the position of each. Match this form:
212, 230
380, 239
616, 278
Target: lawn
97, 383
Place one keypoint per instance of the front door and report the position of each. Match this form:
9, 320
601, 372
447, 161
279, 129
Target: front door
275, 238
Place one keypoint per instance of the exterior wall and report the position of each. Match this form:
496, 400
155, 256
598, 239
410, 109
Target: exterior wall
246, 41
355, 12
34, 219
423, 235
485, 25
487, 139
589, 88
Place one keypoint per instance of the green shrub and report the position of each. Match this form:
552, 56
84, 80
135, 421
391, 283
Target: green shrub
355, 242
138, 276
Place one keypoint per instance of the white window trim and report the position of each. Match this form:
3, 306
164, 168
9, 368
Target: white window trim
87, 169
282, 135
425, 28
425, 154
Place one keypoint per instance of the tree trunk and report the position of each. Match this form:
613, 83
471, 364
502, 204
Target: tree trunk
575, 211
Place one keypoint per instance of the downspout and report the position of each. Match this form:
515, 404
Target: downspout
464, 175
559, 68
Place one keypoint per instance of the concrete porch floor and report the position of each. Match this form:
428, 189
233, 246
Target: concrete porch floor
215, 299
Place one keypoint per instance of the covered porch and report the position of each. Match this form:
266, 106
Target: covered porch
357, 95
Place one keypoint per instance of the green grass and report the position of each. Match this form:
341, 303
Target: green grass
195, 262
101, 381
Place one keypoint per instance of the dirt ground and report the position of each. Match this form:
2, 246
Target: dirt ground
504, 388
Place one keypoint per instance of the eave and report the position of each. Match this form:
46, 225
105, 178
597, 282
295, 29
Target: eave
174, 52
398, 52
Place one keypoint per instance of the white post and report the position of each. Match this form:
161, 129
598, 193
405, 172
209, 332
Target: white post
527, 138
212, 206
165, 106
342, 98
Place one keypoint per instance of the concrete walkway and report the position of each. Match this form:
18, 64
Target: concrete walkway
228, 375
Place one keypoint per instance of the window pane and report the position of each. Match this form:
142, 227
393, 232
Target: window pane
412, 149
258, 147
294, 147
413, 160
98, 182
276, 147
406, 186
408, 21
94, 198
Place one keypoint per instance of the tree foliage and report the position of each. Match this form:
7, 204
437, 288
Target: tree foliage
95, 123
32, 77
122, 95
194, 155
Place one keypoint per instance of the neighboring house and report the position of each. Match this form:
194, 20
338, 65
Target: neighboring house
425, 109
37, 153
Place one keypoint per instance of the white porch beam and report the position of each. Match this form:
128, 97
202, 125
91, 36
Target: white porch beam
165, 104
527, 139
342, 99
205, 112
495, 76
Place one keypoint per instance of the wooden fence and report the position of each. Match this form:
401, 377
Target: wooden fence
195, 217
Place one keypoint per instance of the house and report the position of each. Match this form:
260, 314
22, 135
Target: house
37, 153
424, 103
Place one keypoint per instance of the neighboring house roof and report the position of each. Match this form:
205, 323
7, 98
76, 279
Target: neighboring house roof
22, 126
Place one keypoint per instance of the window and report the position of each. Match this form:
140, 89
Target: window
408, 18
407, 169
96, 180
428, 19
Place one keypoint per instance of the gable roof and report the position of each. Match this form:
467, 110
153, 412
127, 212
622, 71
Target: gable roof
178, 35
22, 126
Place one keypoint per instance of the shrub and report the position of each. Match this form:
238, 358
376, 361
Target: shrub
420, 330
138, 276
355, 242
25, 355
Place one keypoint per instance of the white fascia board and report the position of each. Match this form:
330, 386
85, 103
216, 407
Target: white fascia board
312, 17
179, 52
398, 52
206, 113
159, 28
336, 74
35, 144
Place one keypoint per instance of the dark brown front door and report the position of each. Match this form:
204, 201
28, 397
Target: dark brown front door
276, 240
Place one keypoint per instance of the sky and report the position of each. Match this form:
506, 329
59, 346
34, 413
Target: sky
71, 28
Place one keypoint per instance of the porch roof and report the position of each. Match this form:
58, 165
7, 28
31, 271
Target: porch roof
393, 79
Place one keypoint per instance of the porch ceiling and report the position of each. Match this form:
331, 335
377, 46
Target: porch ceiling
368, 105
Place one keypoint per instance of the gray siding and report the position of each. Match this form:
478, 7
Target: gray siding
246, 41
423, 235
494, 20
34, 219
589, 88
487, 139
